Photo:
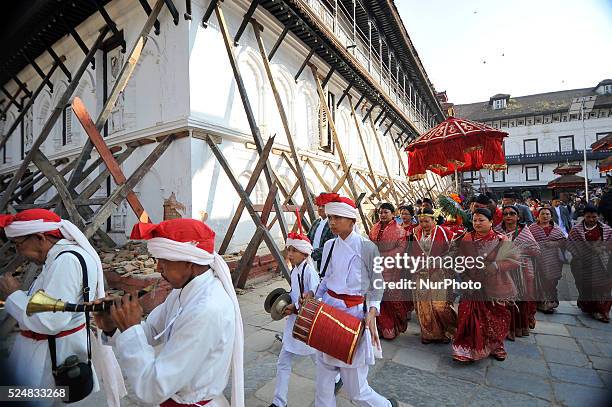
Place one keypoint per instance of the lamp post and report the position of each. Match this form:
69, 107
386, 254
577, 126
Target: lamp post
583, 105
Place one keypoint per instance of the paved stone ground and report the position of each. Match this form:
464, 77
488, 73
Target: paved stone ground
567, 361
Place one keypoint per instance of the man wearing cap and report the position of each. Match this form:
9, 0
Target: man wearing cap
304, 280
197, 329
319, 233
350, 284
43, 238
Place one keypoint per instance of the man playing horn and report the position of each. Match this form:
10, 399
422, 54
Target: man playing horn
198, 328
43, 238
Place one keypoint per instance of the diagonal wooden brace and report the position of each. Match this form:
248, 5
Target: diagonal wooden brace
97, 140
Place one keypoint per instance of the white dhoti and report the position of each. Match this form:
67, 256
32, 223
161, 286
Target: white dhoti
355, 385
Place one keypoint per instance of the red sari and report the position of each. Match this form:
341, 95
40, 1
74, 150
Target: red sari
483, 323
394, 309
437, 318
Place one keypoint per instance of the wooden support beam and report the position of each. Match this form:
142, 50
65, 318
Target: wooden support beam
328, 77
46, 186
23, 86
368, 113
384, 160
359, 101
229, 47
362, 142
121, 191
261, 163
242, 271
59, 61
38, 70
115, 170
211, 8
12, 99
267, 237
278, 42
332, 127
109, 21
59, 183
310, 54
285, 121
173, 11
245, 21
26, 106
318, 175
344, 94
50, 123
147, 9
288, 198
389, 127
346, 188
120, 83
379, 115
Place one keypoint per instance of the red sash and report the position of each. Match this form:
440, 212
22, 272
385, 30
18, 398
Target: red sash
43, 337
349, 300
172, 403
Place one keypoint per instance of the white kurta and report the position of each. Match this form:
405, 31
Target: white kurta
61, 278
195, 329
350, 272
311, 282
316, 242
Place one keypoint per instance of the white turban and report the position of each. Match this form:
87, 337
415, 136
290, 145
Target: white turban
167, 249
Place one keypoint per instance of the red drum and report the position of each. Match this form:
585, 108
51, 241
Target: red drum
328, 329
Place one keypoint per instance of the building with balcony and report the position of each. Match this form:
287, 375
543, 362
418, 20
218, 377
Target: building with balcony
183, 84
545, 130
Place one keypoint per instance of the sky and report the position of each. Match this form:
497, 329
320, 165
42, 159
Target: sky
474, 49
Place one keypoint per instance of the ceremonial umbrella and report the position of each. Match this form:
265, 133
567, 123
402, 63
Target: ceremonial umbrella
605, 165
568, 169
456, 145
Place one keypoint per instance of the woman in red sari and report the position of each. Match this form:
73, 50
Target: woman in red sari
391, 240
548, 264
437, 318
407, 217
483, 314
523, 310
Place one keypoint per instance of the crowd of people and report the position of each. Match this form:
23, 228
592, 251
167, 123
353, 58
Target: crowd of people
184, 351
524, 244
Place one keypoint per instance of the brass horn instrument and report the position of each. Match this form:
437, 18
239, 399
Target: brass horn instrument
42, 302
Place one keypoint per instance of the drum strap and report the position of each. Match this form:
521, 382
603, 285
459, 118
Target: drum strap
331, 250
301, 281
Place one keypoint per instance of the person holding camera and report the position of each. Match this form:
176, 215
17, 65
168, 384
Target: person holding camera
54, 348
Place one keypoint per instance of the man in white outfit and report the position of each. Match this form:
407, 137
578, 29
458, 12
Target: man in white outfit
348, 285
198, 328
44, 238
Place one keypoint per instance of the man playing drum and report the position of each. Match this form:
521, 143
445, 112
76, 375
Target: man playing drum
348, 285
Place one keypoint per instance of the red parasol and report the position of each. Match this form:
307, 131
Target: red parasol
605, 165
452, 144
